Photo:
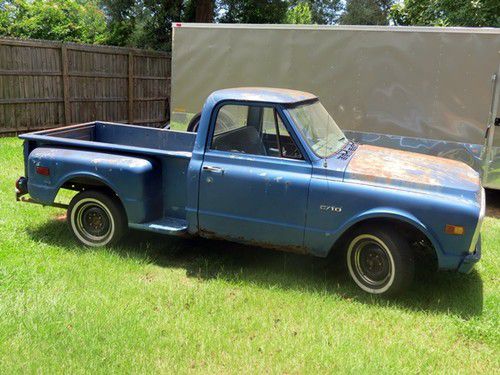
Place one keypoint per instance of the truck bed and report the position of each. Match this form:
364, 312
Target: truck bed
119, 137
170, 151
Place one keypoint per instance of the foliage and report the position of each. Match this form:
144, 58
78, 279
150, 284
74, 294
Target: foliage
144, 23
157, 304
252, 11
478, 13
121, 20
299, 14
65, 20
366, 12
325, 12
156, 23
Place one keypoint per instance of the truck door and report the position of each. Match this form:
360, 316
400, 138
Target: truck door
254, 180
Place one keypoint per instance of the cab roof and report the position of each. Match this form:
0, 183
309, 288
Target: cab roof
262, 94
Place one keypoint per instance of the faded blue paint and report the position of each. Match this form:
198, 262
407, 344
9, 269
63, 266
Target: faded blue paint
263, 200
133, 179
261, 95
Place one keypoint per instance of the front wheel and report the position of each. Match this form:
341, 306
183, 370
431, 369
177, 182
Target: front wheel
380, 260
96, 219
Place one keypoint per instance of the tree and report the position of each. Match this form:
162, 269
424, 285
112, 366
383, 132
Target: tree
204, 11
478, 13
64, 20
252, 11
121, 21
366, 12
145, 23
156, 23
299, 14
325, 12
5, 17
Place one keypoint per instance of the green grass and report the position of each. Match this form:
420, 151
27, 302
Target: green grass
161, 304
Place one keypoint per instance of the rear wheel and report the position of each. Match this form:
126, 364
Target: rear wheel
380, 260
96, 218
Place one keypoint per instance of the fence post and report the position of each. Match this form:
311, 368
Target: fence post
65, 74
130, 88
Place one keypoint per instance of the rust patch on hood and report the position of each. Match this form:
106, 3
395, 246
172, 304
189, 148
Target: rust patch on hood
386, 166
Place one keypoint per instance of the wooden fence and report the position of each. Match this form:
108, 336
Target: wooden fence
47, 84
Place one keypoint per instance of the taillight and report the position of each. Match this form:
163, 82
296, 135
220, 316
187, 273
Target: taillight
454, 229
44, 171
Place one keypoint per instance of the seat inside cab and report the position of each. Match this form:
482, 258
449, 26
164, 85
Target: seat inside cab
255, 130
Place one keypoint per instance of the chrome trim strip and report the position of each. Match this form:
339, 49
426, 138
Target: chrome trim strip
482, 212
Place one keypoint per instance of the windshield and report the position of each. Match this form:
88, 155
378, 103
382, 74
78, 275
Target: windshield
318, 128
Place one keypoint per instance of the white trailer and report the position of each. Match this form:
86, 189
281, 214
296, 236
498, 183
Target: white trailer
423, 89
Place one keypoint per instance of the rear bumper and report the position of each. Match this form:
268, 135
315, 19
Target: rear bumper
470, 260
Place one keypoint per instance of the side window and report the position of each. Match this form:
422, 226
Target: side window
269, 124
254, 130
278, 141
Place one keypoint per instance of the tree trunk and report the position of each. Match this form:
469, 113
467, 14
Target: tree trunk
204, 11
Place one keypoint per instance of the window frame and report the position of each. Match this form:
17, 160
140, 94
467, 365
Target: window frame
278, 111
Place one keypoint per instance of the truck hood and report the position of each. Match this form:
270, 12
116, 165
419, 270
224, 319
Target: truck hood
378, 166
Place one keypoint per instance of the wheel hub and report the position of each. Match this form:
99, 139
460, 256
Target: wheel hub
95, 221
374, 262
371, 263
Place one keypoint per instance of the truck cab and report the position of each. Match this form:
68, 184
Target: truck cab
267, 167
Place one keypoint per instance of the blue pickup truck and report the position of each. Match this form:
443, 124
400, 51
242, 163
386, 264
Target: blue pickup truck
268, 167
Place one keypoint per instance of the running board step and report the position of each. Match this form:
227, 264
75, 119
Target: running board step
168, 225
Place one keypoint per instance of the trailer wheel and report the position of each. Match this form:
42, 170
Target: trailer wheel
96, 218
194, 123
224, 122
380, 260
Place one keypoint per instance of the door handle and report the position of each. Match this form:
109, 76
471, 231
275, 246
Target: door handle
210, 168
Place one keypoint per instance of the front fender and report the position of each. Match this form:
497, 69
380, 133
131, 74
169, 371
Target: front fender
390, 213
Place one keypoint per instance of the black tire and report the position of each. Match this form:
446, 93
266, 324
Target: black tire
96, 218
194, 123
380, 260
224, 121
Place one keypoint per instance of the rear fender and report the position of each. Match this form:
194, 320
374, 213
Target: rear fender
135, 180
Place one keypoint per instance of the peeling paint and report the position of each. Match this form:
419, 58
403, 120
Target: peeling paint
246, 241
378, 165
263, 94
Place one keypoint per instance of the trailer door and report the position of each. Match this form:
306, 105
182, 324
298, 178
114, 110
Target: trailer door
491, 169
